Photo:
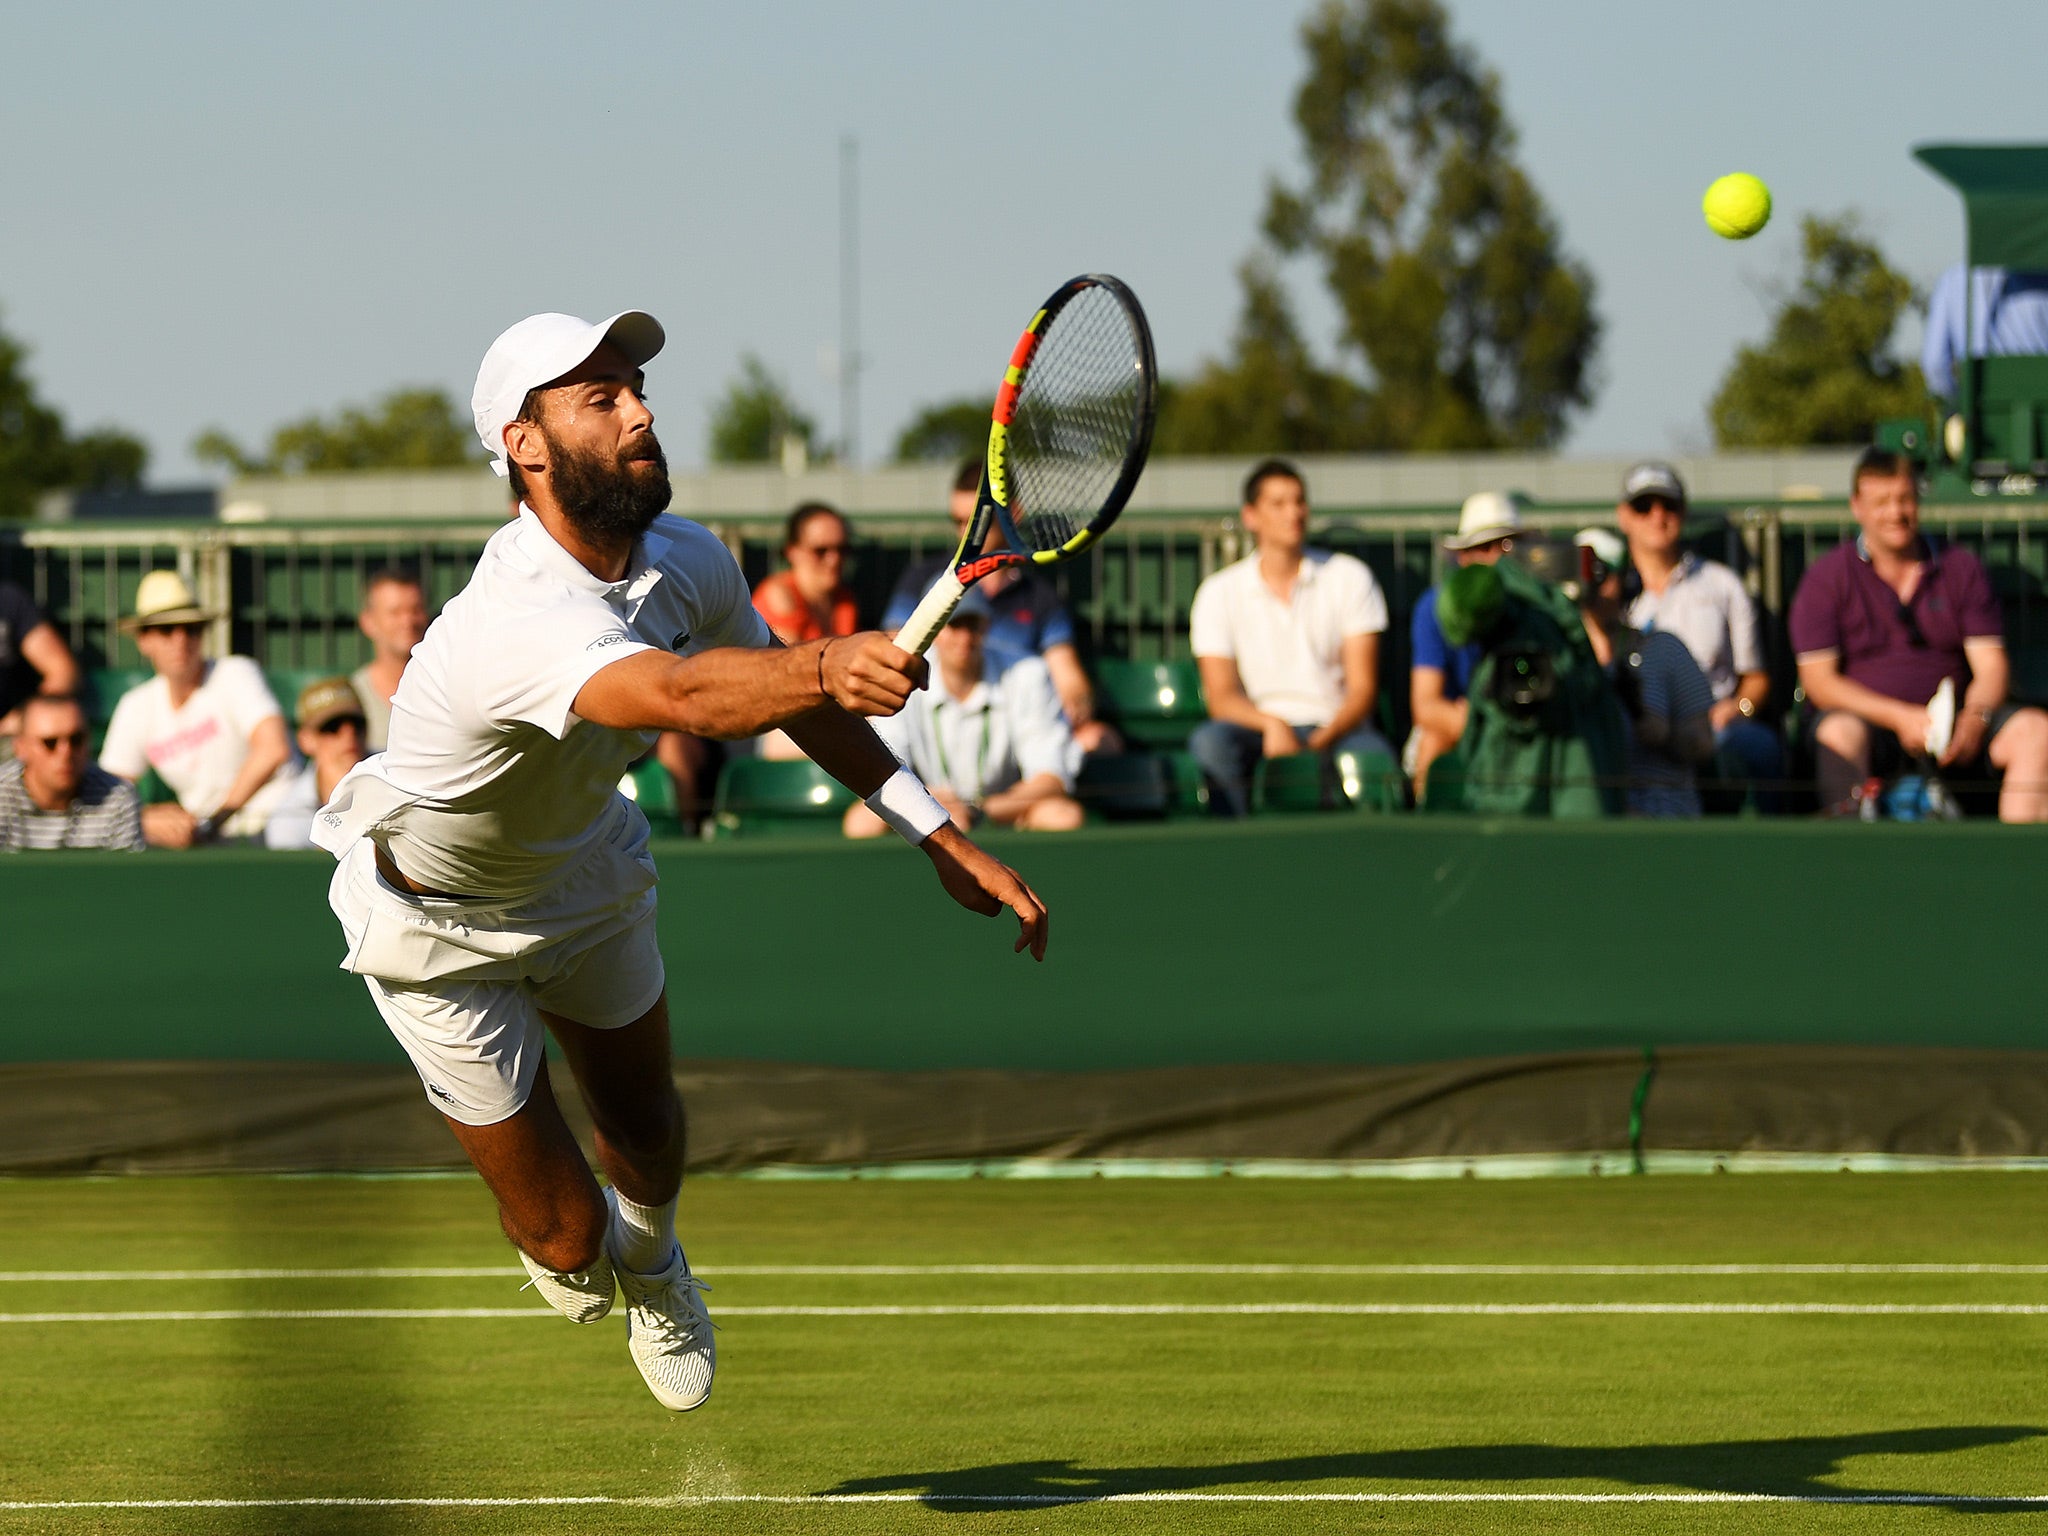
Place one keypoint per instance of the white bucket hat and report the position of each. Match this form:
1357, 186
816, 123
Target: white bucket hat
539, 350
1486, 516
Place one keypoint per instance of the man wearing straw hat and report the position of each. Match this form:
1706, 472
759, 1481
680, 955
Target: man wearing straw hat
1439, 673
210, 729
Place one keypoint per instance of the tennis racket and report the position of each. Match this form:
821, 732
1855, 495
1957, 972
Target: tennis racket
1066, 441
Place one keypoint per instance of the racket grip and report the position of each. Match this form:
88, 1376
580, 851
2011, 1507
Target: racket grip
930, 615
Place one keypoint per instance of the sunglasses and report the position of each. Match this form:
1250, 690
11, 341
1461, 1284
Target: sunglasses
1655, 504
173, 629
822, 550
75, 741
335, 726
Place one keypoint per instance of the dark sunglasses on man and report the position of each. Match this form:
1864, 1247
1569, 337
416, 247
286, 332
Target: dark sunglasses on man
334, 727
173, 629
75, 741
1655, 503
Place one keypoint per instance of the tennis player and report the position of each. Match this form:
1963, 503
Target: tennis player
493, 884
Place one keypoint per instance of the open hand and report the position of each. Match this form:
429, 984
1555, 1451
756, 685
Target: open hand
869, 674
987, 885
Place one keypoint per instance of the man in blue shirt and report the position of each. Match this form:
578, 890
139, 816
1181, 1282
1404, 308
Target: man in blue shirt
1440, 674
1027, 618
2008, 318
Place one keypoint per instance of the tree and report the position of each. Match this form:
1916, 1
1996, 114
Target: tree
1826, 373
38, 454
950, 430
415, 428
755, 420
1463, 323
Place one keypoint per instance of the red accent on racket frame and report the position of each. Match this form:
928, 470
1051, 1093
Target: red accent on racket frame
987, 565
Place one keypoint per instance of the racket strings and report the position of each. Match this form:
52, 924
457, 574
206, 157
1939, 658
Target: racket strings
1078, 411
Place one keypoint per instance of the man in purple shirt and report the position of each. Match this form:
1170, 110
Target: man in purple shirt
1879, 623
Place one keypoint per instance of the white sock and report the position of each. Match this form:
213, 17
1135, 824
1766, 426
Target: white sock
643, 1236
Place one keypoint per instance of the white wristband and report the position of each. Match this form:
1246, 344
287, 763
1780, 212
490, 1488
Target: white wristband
908, 807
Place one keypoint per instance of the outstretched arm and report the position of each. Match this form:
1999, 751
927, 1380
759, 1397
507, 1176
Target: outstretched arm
736, 691
848, 749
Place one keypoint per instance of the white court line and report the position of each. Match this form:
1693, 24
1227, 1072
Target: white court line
694, 1501
1127, 1309
855, 1271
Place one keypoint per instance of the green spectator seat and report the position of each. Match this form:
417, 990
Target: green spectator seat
1153, 703
105, 685
1443, 788
649, 787
772, 797
1190, 790
1128, 786
1301, 782
1371, 781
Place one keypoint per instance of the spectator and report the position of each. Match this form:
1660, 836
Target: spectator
52, 795
1706, 606
2008, 318
1288, 643
393, 620
332, 726
33, 659
1879, 623
1028, 618
1666, 703
210, 729
1440, 674
810, 600
989, 740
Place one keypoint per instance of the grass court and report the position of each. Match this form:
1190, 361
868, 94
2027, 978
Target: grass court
1789, 1353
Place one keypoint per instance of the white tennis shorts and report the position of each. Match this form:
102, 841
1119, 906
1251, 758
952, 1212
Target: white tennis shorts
463, 985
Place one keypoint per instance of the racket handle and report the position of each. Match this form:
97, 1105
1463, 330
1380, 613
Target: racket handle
930, 615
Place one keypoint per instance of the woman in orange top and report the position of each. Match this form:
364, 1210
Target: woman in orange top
809, 601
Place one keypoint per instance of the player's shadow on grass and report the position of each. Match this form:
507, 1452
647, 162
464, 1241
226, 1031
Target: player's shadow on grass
1795, 1466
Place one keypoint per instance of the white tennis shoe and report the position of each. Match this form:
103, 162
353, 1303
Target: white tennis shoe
583, 1297
669, 1333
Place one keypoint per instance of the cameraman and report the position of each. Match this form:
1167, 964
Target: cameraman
1664, 696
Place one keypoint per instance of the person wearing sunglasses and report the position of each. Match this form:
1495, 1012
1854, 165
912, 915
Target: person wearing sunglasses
33, 659
1704, 604
210, 728
53, 796
1878, 624
332, 728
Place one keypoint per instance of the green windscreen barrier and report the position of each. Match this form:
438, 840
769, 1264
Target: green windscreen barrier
1313, 939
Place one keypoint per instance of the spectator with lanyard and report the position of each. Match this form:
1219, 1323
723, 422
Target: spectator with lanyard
988, 741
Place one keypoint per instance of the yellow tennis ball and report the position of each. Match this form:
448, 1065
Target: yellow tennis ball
1737, 206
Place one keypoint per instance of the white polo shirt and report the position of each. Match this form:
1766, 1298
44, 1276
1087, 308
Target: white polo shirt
1706, 606
198, 747
492, 786
1289, 654
1009, 728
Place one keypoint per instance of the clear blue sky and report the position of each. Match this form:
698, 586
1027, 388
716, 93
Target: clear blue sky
231, 214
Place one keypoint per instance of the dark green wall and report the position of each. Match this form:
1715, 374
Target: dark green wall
1326, 939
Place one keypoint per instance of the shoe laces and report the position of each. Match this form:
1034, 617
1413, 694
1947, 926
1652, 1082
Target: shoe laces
674, 1311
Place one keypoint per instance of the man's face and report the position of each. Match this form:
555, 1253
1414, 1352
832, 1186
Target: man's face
1484, 554
959, 645
604, 463
1277, 516
1887, 508
1652, 524
52, 749
176, 651
394, 618
334, 746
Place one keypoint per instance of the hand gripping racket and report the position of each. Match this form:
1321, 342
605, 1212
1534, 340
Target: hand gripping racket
1066, 441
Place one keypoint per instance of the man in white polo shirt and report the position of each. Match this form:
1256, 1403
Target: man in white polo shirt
493, 885
1705, 605
1288, 641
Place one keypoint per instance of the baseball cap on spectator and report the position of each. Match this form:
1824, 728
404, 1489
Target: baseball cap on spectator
1485, 517
1609, 553
327, 698
165, 598
973, 605
539, 350
1652, 477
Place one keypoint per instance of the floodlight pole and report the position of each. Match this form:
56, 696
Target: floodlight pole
849, 299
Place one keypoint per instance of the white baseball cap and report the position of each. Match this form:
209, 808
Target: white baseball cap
1485, 517
539, 350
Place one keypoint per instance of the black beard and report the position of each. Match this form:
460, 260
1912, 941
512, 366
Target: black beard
604, 498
